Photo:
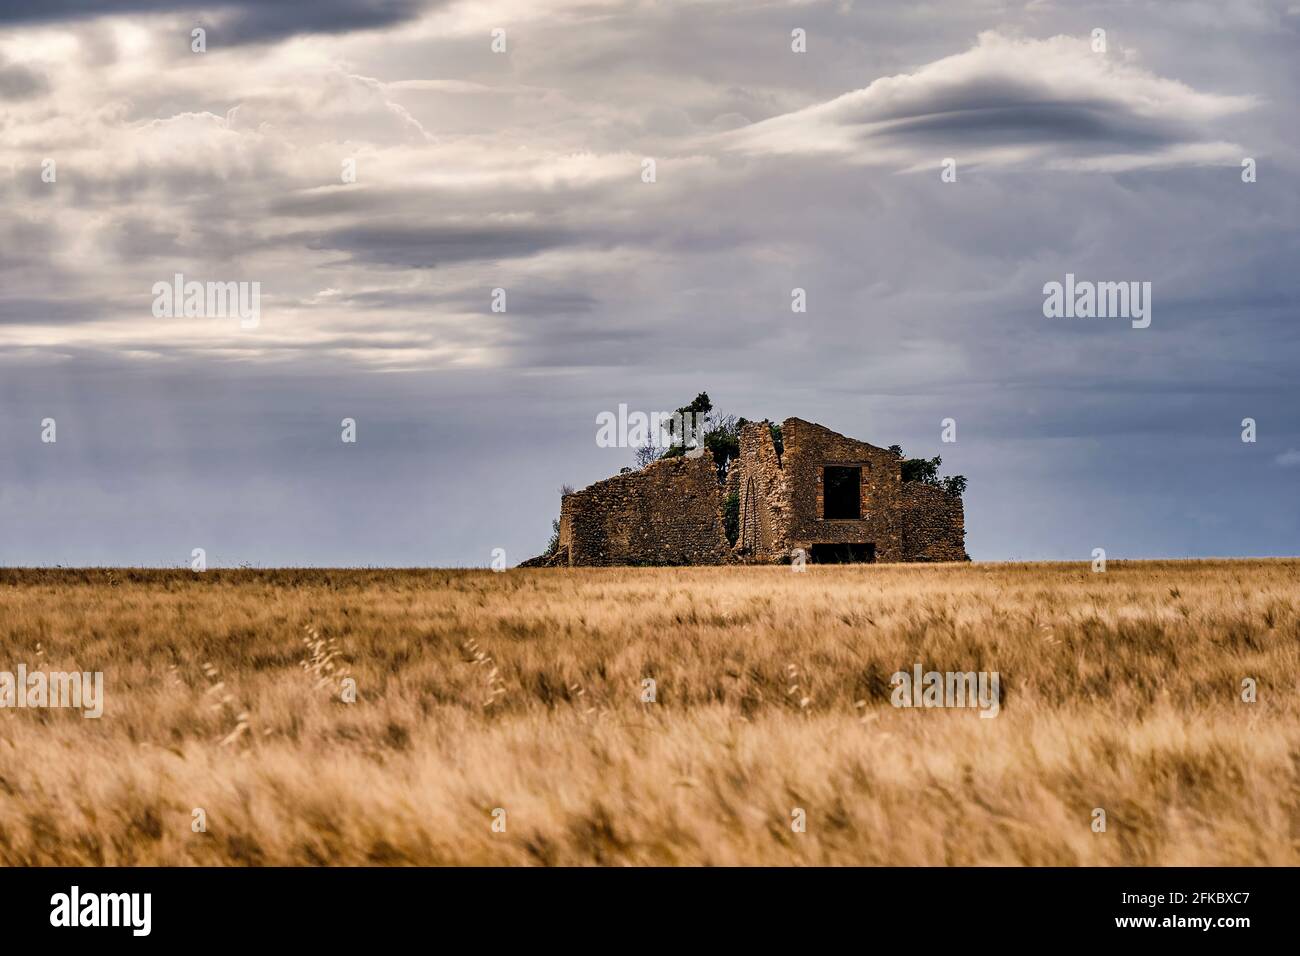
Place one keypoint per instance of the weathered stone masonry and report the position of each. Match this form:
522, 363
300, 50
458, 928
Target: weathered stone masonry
669, 512
672, 511
934, 526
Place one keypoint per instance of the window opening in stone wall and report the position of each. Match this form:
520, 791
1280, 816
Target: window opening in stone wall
841, 492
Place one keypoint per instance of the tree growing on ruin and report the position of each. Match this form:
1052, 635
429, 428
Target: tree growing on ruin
721, 433
926, 471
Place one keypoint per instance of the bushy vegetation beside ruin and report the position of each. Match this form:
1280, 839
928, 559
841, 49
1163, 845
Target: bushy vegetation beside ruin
926, 471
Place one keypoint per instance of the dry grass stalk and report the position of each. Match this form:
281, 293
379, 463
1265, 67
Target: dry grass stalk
1121, 690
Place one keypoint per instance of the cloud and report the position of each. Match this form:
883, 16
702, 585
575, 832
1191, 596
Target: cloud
411, 245
1010, 101
46, 311
18, 82
235, 21
1289, 458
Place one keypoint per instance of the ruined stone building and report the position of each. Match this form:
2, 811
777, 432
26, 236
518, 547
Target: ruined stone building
836, 498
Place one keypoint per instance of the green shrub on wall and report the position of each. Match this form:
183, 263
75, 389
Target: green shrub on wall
731, 518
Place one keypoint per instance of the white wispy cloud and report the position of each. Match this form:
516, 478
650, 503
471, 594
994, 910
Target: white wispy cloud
1011, 100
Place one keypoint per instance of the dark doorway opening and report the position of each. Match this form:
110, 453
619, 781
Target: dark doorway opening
841, 492
843, 553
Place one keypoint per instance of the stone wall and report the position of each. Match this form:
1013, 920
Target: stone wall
764, 496
934, 524
669, 512
809, 448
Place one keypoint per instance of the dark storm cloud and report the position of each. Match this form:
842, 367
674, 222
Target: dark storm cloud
20, 83
424, 247
992, 124
26, 242
533, 300
384, 201
262, 21
46, 311
236, 21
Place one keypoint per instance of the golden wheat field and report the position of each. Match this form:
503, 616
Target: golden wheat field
523, 692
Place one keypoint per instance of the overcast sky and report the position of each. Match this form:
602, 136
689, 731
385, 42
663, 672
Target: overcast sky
523, 170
